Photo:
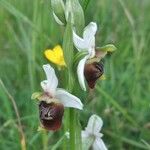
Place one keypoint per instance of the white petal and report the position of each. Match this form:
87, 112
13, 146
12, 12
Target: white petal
99, 145
80, 72
84, 134
89, 37
51, 83
91, 46
57, 19
44, 85
90, 30
67, 99
87, 140
79, 43
95, 124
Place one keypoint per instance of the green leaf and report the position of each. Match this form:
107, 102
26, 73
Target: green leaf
68, 45
58, 9
19, 15
107, 48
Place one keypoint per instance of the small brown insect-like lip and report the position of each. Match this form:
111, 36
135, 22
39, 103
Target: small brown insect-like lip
51, 115
92, 72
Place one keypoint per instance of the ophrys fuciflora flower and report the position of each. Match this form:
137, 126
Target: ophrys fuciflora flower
53, 100
90, 67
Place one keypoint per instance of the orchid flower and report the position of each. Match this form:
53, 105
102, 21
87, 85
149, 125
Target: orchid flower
53, 100
91, 135
90, 66
87, 43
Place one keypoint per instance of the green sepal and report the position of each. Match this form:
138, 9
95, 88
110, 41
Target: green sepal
107, 48
78, 57
59, 10
36, 95
92, 60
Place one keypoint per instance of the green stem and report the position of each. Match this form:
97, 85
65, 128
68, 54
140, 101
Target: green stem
66, 127
45, 140
72, 129
78, 133
59, 142
73, 115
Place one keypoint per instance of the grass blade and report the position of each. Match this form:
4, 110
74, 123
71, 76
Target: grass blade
117, 106
23, 141
127, 140
19, 15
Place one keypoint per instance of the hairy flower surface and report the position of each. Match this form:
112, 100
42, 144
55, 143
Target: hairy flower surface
91, 135
51, 115
92, 72
55, 56
53, 100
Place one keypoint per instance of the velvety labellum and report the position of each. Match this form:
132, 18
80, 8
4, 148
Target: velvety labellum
93, 72
51, 115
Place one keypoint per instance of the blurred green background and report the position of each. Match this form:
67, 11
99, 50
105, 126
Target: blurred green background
123, 100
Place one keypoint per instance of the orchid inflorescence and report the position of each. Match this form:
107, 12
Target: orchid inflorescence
89, 67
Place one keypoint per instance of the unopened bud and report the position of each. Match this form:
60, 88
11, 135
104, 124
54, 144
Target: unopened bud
58, 11
74, 8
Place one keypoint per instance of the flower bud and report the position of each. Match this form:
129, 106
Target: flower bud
92, 72
58, 11
51, 115
74, 8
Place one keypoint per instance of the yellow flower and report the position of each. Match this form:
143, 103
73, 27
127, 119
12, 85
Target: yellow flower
55, 56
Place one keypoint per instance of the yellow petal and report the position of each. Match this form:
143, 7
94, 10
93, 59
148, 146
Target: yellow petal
56, 55
49, 54
58, 50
